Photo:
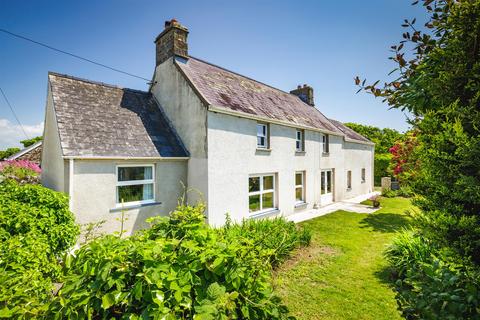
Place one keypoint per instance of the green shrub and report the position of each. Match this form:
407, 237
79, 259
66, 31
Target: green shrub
404, 191
34, 209
381, 167
180, 268
428, 284
36, 227
278, 236
407, 250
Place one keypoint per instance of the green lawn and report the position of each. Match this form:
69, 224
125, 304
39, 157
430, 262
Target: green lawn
343, 275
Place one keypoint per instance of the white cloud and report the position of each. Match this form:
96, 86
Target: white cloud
11, 134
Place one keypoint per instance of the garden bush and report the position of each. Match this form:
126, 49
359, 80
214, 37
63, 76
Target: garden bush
429, 284
22, 171
36, 228
180, 268
276, 235
381, 167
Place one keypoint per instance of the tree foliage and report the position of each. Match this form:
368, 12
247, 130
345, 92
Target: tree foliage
8, 152
28, 142
437, 79
384, 138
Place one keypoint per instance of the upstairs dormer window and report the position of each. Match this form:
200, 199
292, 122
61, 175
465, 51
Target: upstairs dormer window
326, 144
300, 140
263, 136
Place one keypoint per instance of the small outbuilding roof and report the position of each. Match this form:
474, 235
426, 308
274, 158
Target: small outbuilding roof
30, 153
100, 120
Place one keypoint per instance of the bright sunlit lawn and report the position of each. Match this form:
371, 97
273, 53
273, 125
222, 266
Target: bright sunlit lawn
343, 275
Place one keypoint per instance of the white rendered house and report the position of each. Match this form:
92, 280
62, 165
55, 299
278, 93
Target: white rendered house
248, 149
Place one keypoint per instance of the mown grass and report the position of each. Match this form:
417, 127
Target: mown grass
342, 274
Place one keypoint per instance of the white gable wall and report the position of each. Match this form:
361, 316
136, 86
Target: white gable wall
53, 165
188, 116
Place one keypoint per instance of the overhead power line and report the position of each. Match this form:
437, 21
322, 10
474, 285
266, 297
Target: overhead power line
14, 114
72, 54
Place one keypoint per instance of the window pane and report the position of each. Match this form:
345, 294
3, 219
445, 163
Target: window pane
349, 179
323, 182
268, 183
253, 184
298, 179
299, 194
134, 173
298, 145
329, 181
135, 193
363, 174
261, 130
254, 203
261, 142
267, 200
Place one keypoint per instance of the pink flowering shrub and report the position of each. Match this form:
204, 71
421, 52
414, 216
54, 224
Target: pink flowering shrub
23, 171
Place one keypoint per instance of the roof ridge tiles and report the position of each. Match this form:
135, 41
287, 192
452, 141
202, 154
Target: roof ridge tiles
67, 76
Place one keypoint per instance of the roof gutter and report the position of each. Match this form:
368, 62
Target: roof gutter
123, 158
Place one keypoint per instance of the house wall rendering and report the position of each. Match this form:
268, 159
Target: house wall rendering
188, 116
53, 165
94, 196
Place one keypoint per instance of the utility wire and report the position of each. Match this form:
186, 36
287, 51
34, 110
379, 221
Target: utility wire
14, 114
72, 54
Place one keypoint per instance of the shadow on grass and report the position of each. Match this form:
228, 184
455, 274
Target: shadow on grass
385, 222
386, 275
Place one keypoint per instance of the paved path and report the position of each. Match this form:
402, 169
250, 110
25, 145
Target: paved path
352, 205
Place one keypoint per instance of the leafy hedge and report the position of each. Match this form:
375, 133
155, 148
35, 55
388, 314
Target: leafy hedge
429, 285
180, 268
36, 227
381, 167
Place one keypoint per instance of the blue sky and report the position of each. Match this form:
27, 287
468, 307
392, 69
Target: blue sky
282, 43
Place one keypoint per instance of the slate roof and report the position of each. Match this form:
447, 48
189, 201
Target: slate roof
349, 133
31, 153
99, 120
229, 90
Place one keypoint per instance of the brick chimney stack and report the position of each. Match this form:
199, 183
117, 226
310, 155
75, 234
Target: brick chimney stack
305, 93
171, 42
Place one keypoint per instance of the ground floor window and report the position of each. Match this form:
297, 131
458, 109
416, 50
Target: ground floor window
326, 182
349, 179
135, 184
261, 193
363, 174
300, 186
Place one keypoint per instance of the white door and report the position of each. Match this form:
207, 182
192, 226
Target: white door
326, 187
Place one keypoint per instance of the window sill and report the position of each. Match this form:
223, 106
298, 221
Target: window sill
349, 189
135, 206
363, 181
325, 154
299, 153
264, 213
264, 149
301, 205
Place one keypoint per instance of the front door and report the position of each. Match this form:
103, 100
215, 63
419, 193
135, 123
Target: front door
326, 187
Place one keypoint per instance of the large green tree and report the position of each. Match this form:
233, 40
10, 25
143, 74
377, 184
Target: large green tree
438, 81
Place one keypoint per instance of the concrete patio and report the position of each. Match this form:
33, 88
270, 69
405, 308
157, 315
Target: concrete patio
352, 205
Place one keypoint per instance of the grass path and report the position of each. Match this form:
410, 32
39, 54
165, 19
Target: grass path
342, 275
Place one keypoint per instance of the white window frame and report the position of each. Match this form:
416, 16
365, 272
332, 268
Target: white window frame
119, 204
364, 175
300, 143
300, 186
349, 179
265, 135
325, 144
262, 191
